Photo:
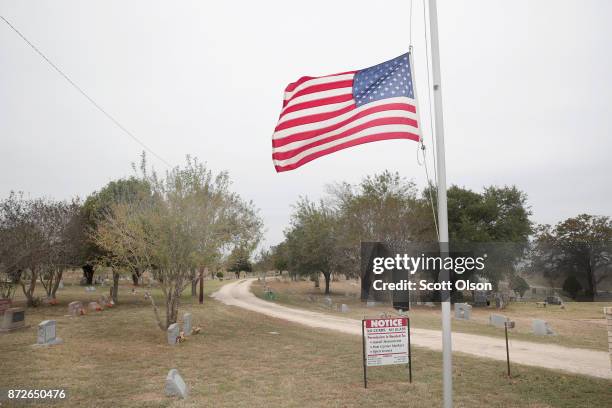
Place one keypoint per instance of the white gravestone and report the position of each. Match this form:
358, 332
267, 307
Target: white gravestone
463, 311
541, 328
344, 308
328, 302
187, 327
173, 333
498, 320
46, 334
175, 386
74, 308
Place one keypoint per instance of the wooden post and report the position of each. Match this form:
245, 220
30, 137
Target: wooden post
507, 348
608, 314
201, 285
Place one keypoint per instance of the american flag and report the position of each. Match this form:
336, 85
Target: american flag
322, 115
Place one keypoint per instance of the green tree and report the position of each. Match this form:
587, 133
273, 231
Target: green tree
312, 242
519, 285
383, 207
238, 261
189, 220
580, 246
495, 222
96, 208
572, 287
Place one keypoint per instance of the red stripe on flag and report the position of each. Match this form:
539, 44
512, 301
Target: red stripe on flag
317, 117
317, 132
373, 123
322, 87
363, 140
316, 102
303, 79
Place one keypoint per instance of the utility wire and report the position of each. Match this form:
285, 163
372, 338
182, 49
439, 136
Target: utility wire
78, 88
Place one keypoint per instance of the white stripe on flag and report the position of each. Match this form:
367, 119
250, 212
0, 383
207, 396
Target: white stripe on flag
352, 124
319, 81
332, 121
365, 132
317, 109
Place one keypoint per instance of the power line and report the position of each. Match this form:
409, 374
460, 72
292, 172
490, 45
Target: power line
78, 88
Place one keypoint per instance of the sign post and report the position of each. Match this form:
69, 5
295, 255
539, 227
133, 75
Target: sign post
386, 341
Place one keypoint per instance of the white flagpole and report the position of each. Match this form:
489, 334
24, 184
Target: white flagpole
447, 364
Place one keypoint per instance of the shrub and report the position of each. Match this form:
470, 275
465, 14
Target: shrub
571, 286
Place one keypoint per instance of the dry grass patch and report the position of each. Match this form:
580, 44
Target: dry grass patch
580, 324
118, 358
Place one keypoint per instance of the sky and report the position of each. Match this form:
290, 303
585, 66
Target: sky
526, 88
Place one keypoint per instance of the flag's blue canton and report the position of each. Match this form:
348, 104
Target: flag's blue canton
390, 79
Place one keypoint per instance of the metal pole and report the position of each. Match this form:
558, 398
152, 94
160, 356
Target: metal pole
447, 365
365, 375
409, 354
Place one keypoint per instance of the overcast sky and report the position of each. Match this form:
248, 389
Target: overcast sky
527, 90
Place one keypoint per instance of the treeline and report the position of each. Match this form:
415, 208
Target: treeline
323, 238
171, 225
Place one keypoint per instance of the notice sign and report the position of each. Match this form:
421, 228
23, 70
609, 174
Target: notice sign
386, 341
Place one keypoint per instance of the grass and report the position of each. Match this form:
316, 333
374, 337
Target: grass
580, 324
119, 358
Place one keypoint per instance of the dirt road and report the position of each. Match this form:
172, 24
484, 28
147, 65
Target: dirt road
574, 360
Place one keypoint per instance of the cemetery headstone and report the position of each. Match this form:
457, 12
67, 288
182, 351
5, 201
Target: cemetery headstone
463, 311
75, 308
328, 301
187, 327
47, 334
541, 328
94, 307
498, 320
371, 303
173, 333
175, 386
4, 304
61, 285
344, 308
13, 319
